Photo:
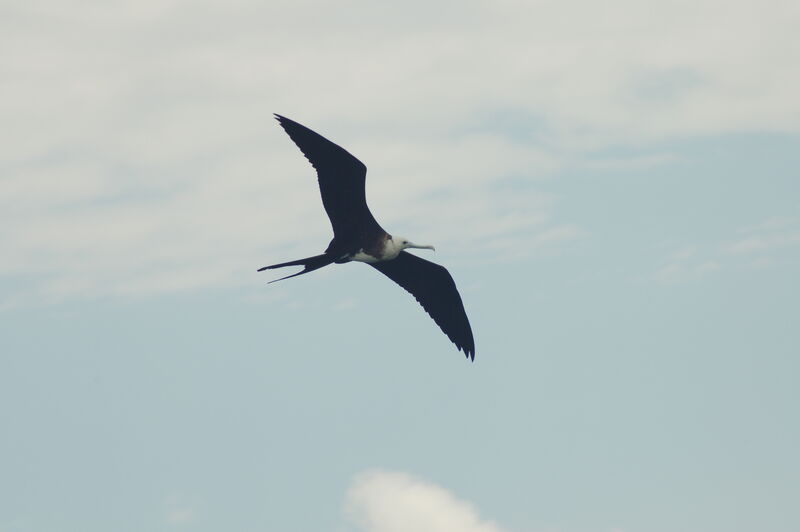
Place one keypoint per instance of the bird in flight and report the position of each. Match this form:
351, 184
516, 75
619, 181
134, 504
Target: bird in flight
357, 236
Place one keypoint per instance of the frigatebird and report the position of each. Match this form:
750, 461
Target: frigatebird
357, 236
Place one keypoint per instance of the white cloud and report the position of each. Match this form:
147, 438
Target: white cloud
392, 501
139, 155
384, 501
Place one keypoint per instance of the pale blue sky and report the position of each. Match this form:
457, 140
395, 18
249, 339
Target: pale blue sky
614, 189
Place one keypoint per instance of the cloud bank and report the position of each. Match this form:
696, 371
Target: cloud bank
139, 155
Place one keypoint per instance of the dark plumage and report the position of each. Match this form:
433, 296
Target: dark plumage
358, 236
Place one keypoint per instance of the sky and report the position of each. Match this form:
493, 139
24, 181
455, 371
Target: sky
614, 187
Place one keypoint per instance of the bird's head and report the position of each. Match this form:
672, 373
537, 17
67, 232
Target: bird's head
403, 243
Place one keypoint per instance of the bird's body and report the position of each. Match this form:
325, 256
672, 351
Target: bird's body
357, 236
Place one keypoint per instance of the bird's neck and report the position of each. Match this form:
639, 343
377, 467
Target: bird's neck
385, 249
391, 249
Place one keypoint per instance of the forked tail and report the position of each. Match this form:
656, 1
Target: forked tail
310, 263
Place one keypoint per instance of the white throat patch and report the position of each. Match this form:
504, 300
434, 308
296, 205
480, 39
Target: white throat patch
391, 249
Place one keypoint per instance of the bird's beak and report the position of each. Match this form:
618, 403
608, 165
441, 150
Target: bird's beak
421, 247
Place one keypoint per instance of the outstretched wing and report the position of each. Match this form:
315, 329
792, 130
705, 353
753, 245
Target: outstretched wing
434, 288
341, 182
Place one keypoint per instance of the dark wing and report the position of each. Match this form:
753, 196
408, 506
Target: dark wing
434, 288
341, 183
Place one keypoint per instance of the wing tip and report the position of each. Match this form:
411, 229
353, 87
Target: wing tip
469, 351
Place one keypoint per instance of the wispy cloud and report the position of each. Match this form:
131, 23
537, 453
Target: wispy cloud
767, 237
684, 265
759, 246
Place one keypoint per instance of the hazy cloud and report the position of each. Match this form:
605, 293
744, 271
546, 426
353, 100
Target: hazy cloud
138, 154
180, 516
178, 512
759, 246
683, 265
767, 237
